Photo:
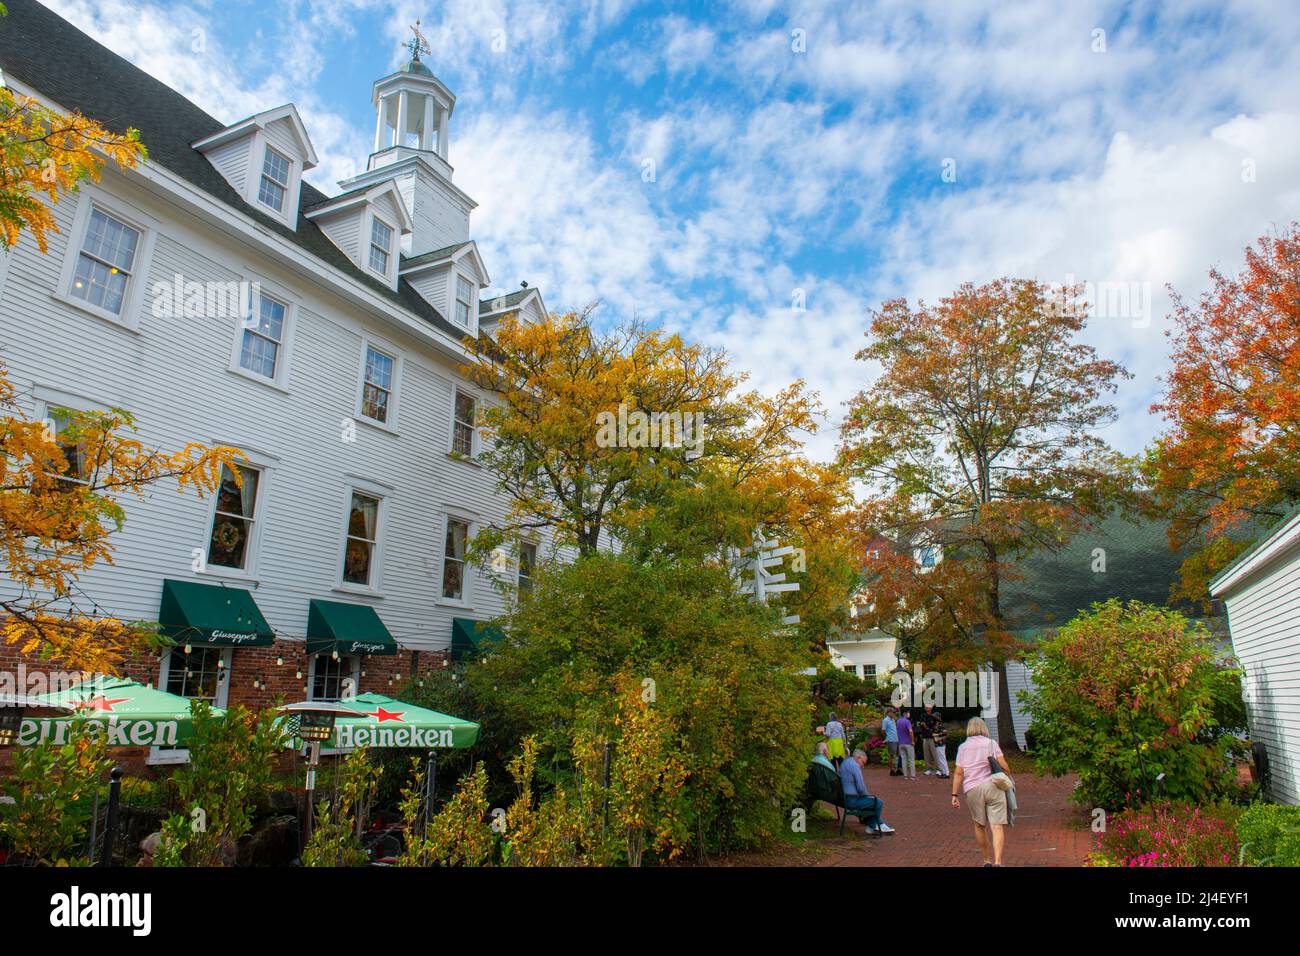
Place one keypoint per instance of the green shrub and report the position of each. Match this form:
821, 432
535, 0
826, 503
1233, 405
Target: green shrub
1127, 692
1270, 835
231, 765
716, 668
53, 788
1167, 833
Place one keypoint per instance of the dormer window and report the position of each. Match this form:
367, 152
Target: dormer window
381, 246
275, 180
464, 300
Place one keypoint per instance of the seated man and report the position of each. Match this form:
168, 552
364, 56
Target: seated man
821, 755
856, 796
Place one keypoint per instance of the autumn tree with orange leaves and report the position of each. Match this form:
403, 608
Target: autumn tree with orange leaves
1229, 462
62, 484
979, 438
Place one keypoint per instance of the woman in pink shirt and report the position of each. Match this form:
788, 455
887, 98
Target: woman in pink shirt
986, 801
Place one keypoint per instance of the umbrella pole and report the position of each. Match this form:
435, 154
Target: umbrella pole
313, 760
430, 787
110, 824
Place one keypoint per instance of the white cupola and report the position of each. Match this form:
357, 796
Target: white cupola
412, 111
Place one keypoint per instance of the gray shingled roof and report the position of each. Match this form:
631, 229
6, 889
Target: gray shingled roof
1054, 587
435, 255
51, 55
504, 301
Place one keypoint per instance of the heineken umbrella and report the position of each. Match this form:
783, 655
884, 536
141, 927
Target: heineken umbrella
373, 720
128, 713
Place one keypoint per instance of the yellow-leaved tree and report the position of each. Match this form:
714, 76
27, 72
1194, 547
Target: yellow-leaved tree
640, 434
62, 479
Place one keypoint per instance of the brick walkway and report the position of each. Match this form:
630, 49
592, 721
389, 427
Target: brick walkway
1049, 830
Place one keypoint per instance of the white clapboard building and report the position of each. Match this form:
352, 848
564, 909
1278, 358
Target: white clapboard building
220, 298
1261, 591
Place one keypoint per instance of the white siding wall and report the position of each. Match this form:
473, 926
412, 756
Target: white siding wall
344, 230
862, 653
280, 135
174, 374
231, 160
1264, 621
432, 285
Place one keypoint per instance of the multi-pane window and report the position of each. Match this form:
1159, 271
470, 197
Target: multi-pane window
377, 389
333, 678
196, 675
453, 562
263, 335
362, 538
232, 522
106, 261
275, 180
381, 246
464, 300
462, 429
78, 470
869, 671
527, 562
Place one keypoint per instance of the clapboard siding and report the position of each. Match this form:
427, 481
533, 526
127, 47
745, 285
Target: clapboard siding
344, 231
1264, 621
174, 373
232, 160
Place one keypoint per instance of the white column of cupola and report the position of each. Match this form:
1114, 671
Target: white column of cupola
412, 116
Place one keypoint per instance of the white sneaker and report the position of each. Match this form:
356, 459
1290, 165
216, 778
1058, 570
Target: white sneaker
929, 772
885, 828
872, 830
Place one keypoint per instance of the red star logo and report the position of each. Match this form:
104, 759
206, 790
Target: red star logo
101, 703
383, 715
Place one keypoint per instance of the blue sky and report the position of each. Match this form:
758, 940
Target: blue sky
801, 148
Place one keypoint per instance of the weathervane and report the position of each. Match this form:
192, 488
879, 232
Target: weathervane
417, 44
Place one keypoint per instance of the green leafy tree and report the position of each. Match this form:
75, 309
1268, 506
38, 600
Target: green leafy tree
336, 836
1127, 692
232, 761
718, 673
52, 788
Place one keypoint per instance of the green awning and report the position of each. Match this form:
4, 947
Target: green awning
346, 628
193, 613
470, 637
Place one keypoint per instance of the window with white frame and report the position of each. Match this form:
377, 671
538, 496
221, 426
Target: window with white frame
527, 563
106, 262
275, 180
381, 245
464, 300
64, 426
453, 561
869, 671
462, 427
197, 673
229, 543
359, 553
333, 677
263, 337
377, 384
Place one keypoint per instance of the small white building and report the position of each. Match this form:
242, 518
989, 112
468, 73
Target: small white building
871, 656
1261, 591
